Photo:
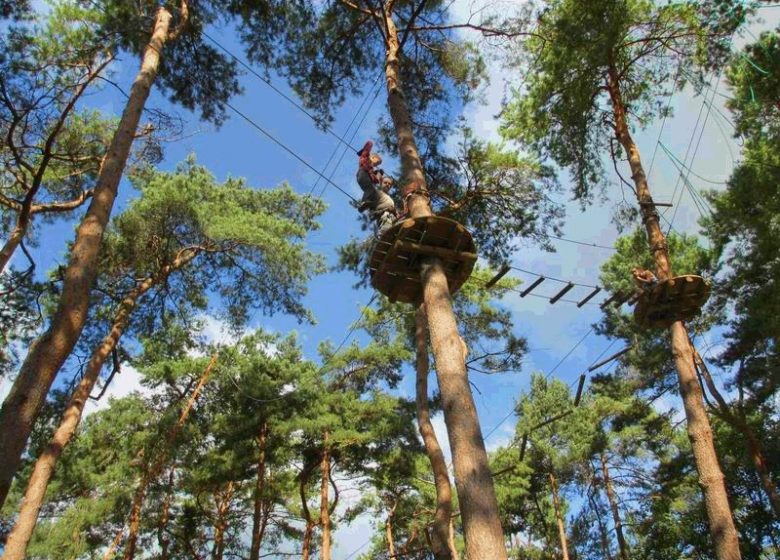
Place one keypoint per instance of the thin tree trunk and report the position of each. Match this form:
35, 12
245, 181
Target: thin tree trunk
602, 528
440, 536
221, 525
325, 553
111, 550
473, 481
389, 531
725, 412
50, 350
308, 534
258, 521
43, 471
162, 530
711, 479
13, 240
153, 471
559, 518
613, 506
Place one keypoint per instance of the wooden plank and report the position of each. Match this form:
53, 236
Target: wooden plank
560, 294
532, 286
436, 251
499, 275
589, 297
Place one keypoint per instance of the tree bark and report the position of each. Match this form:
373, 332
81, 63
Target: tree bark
43, 471
325, 553
737, 421
473, 481
111, 551
559, 517
221, 525
49, 351
162, 530
711, 479
613, 506
440, 534
258, 519
389, 532
308, 534
153, 471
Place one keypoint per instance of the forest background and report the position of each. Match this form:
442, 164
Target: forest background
237, 149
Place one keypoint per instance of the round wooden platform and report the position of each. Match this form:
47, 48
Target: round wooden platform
396, 257
677, 299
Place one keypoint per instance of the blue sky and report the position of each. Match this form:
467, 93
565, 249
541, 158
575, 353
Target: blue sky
236, 149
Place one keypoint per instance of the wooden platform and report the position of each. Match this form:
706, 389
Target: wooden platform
677, 299
396, 257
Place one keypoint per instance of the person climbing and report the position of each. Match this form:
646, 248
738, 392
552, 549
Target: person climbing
375, 184
645, 279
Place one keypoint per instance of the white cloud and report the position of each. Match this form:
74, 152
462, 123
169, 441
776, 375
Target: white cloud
125, 382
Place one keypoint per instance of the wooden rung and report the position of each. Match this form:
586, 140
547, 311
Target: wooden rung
580, 386
523, 445
609, 300
587, 298
501, 273
435, 251
560, 294
622, 299
532, 286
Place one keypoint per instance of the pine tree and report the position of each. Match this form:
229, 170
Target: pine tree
340, 47
120, 23
245, 237
52, 150
624, 54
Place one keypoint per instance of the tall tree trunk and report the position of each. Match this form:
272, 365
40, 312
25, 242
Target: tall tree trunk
258, 517
43, 471
721, 523
440, 535
473, 481
325, 553
154, 469
50, 350
559, 517
221, 525
738, 421
613, 506
163, 540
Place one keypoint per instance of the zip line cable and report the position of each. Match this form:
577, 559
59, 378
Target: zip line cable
693, 156
685, 159
286, 148
337, 146
511, 412
355, 131
585, 243
663, 121
546, 277
277, 90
